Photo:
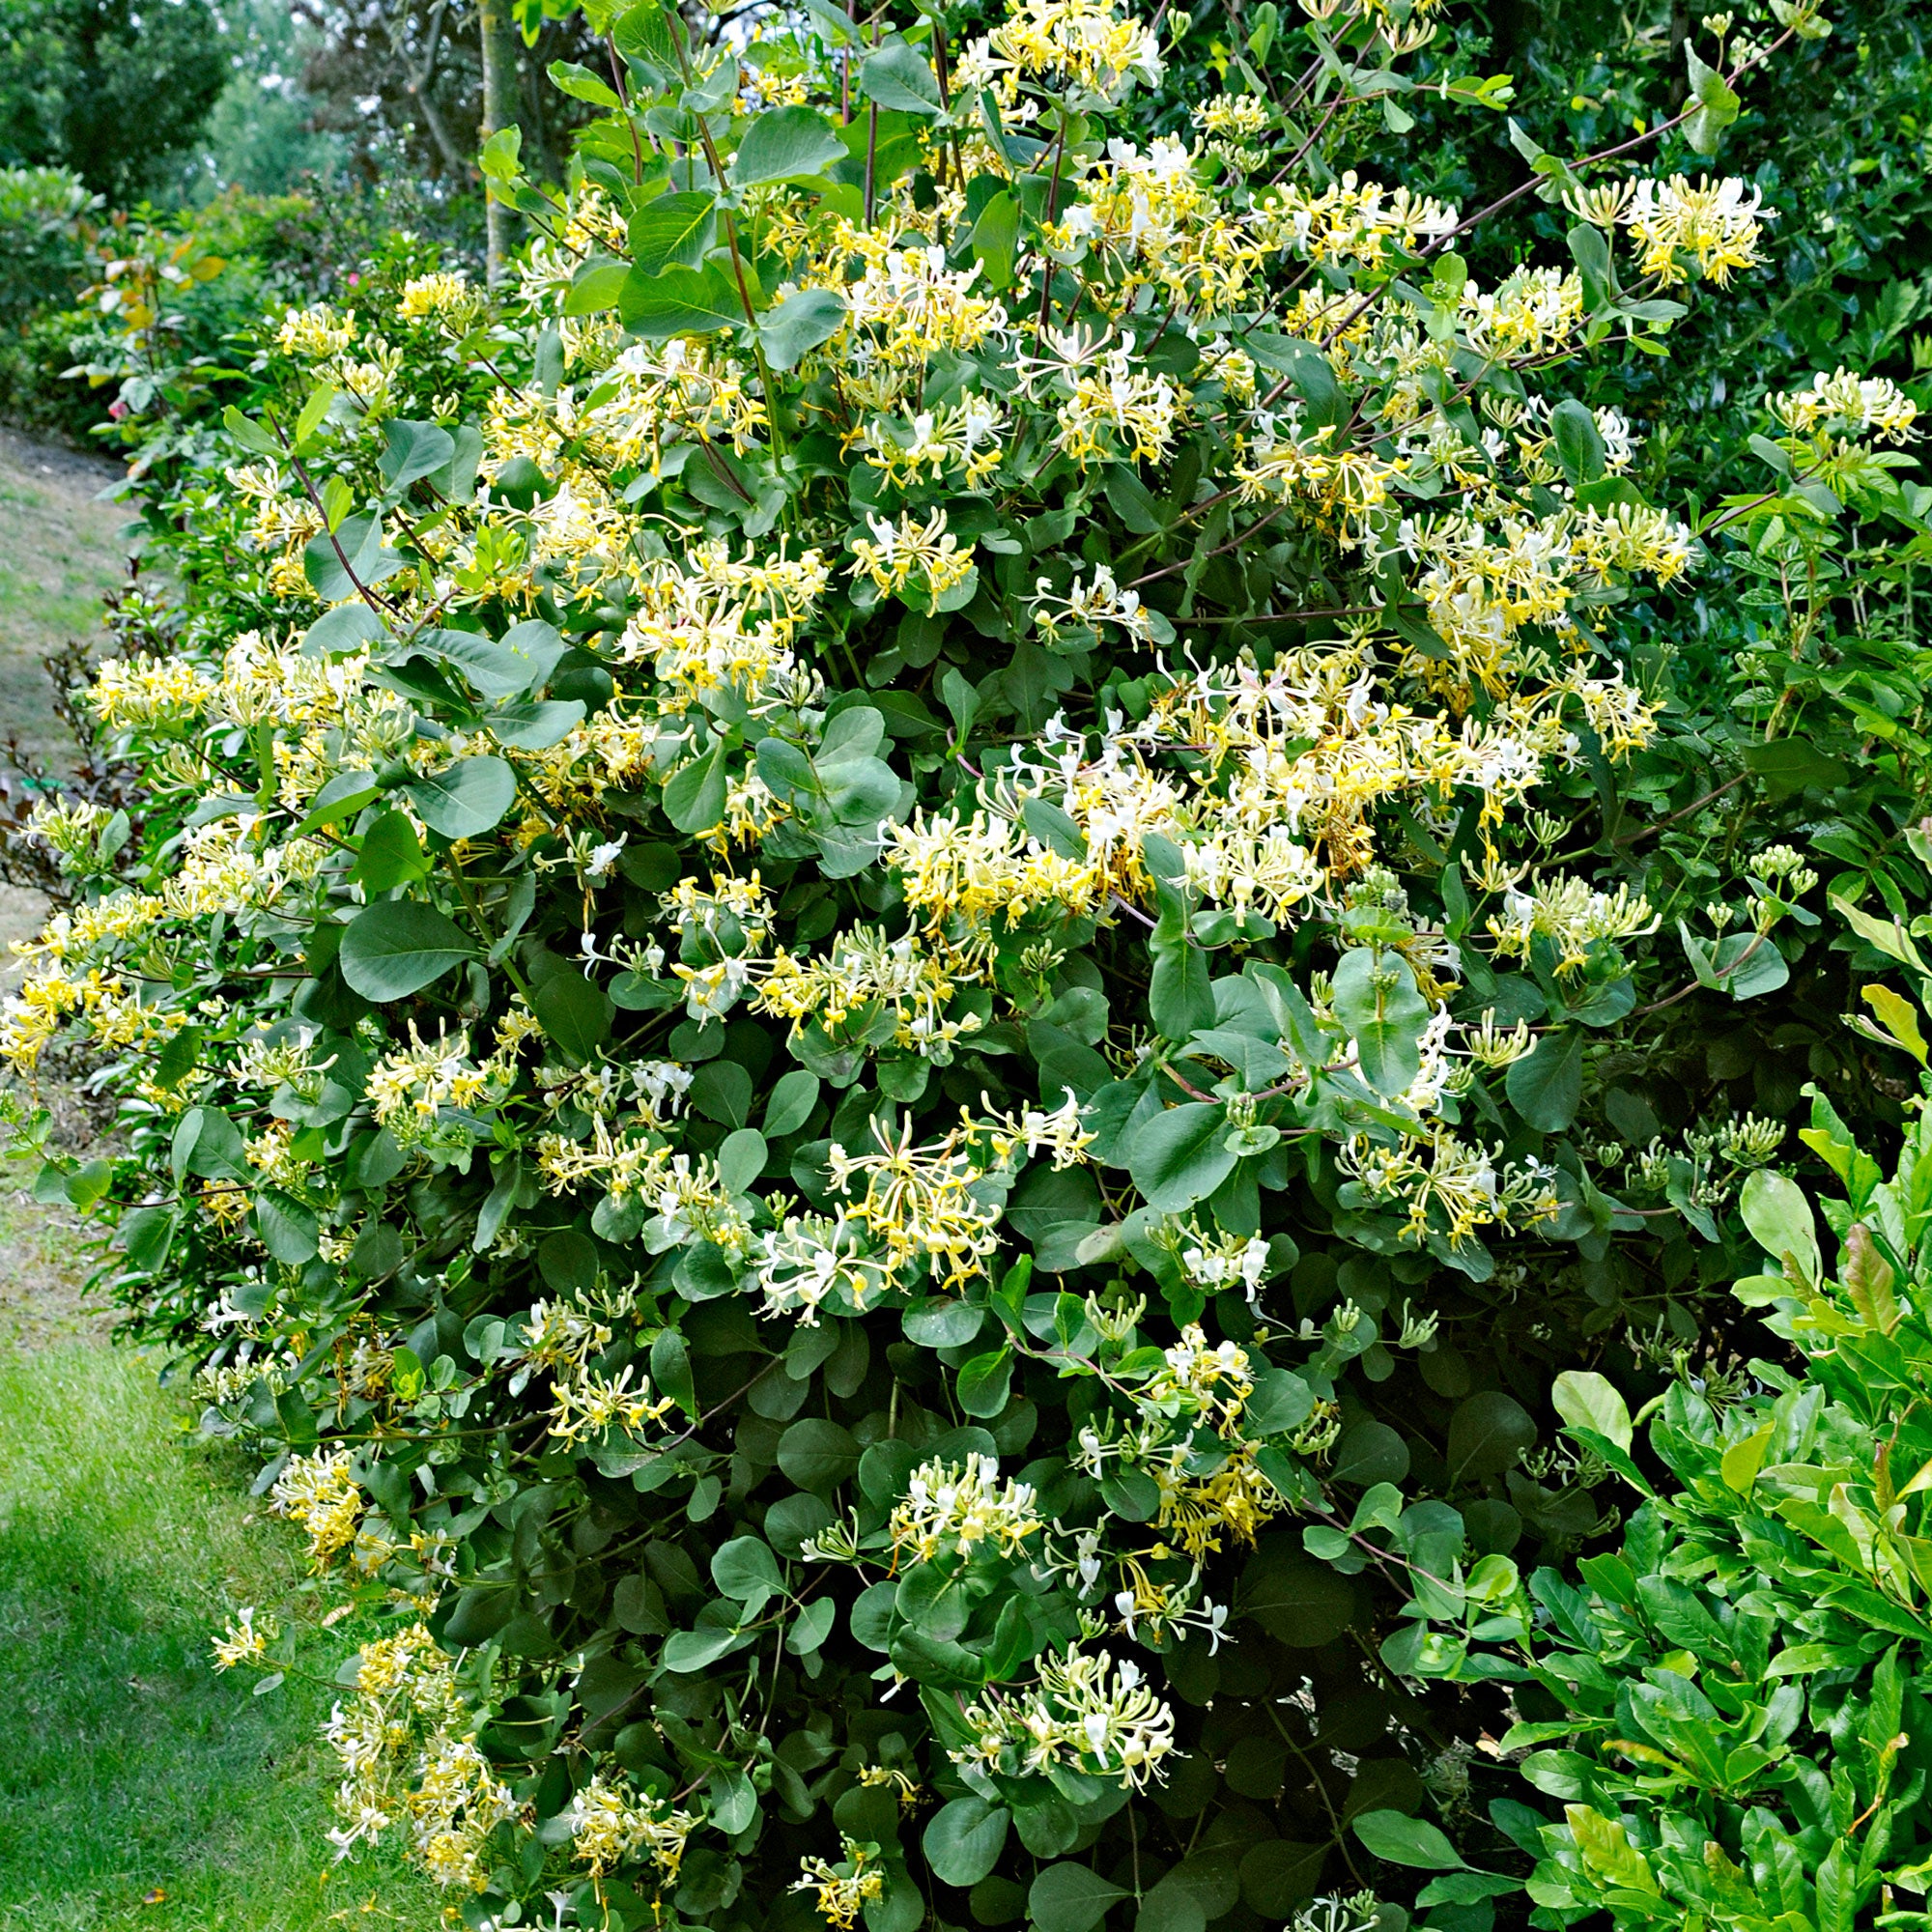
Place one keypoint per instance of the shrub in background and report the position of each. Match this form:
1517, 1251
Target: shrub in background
897, 977
43, 224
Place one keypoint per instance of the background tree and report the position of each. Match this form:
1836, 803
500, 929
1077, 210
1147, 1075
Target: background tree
403, 86
498, 41
115, 91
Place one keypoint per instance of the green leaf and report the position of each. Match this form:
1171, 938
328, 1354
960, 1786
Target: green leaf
693, 795
413, 450
390, 855
209, 1143
535, 724
1067, 1897
799, 324
670, 1370
811, 1627
734, 1799
1131, 1493
783, 144
1579, 447
1586, 1399
498, 156
1779, 1215
1487, 1434
996, 239
398, 947
1376, 998
289, 1231
674, 231
643, 37
1749, 964
250, 435
578, 82
1055, 829
896, 77
721, 1091
146, 1235
575, 1012
466, 799
507, 666
1713, 103
790, 1103
679, 301
89, 1184
787, 770
179, 1057
688, 1651
741, 1159
746, 1568
1176, 1156
342, 797
351, 560
1181, 996
481, 1612
1788, 766
321, 399
597, 286
344, 629
817, 1455
985, 1382
1546, 1086
964, 1840
1400, 1840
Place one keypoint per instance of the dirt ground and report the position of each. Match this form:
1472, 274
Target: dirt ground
61, 551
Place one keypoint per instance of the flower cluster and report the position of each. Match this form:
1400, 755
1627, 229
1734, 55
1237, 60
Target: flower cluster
949, 1507
1086, 1713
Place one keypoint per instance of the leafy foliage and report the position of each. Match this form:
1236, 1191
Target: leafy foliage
906, 966
111, 91
1730, 1707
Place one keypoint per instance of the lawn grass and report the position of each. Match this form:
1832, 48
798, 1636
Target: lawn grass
128, 1768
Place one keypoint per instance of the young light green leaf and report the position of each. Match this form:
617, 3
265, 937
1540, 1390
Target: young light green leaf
1586, 1399
1780, 1218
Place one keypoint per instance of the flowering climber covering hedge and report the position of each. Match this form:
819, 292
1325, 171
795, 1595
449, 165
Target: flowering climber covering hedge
848, 1018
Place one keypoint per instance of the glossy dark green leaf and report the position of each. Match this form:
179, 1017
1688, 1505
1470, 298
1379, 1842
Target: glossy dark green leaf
575, 1012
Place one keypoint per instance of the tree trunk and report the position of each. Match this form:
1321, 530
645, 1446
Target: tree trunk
500, 99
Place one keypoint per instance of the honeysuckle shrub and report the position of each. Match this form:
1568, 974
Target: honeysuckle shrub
893, 975
1731, 1708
